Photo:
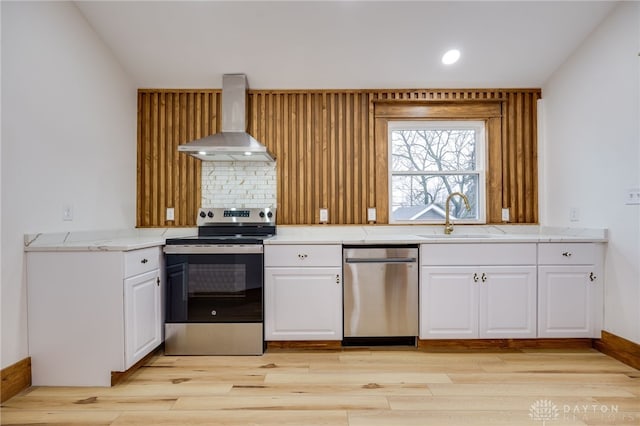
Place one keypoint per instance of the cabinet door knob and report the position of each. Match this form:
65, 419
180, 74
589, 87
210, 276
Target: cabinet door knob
158, 281
337, 279
567, 254
592, 277
144, 261
484, 277
475, 277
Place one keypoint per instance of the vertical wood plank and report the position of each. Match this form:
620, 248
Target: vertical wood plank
139, 162
171, 147
146, 148
494, 171
162, 151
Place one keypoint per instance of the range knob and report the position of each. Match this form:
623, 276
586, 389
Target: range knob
269, 215
261, 214
203, 214
210, 214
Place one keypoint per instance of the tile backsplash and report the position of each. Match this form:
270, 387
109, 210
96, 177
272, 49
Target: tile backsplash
238, 184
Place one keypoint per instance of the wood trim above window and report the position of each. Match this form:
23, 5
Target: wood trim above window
393, 109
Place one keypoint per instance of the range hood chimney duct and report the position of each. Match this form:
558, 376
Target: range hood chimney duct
233, 143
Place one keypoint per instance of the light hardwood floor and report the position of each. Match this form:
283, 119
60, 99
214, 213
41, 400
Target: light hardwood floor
355, 387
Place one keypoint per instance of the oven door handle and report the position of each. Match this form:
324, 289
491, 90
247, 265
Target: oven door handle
214, 249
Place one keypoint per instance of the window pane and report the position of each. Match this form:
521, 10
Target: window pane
422, 198
433, 150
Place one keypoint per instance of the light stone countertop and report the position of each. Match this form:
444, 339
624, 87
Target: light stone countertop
133, 239
424, 234
109, 240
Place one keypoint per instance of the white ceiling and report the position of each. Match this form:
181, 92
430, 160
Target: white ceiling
342, 44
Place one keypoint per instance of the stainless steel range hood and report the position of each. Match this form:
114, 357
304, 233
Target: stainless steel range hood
233, 143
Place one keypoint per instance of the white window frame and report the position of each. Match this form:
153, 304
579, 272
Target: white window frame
481, 164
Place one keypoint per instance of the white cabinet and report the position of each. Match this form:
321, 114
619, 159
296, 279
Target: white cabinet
303, 292
91, 313
142, 315
494, 298
570, 290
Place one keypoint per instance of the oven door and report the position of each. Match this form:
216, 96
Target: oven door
214, 283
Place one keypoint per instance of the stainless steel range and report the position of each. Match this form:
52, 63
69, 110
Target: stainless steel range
214, 299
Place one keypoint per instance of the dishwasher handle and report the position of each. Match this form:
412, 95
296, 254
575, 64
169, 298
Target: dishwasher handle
381, 260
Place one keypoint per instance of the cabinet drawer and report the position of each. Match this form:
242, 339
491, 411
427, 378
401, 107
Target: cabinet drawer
566, 254
302, 255
139, 261
450, 254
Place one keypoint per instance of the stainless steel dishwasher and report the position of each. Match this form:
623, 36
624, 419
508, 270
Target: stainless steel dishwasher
380, 293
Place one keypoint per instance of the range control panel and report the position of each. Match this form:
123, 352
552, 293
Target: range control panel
212, 216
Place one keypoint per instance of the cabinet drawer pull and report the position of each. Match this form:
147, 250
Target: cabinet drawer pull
158, 281
567, 254
337, 279
144, 261
302, 256
592, 277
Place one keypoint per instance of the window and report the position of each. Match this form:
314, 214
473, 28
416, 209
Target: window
430, 160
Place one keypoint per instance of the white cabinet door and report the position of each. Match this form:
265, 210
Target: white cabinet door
142, 316
507, 305
567, 300
467, 302
448, 303
303, 303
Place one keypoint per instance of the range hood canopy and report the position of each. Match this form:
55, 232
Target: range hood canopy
233, 143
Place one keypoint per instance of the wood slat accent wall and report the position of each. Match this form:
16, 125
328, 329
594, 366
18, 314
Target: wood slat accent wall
327, 152
166, 178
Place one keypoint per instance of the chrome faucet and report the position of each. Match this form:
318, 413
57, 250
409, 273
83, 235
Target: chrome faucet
448, 227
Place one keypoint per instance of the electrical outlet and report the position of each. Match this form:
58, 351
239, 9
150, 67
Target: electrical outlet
633, 196
574, 214
505, 215
170, 213
371, 214
67, 212
324, 215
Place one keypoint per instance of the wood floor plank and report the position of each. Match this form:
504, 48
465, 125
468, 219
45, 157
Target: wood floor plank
472, 403
530, 389
234, 418
445, 418
357, 378
293, 402
565, 378
127, 389
343, 390
91, 403
30, 417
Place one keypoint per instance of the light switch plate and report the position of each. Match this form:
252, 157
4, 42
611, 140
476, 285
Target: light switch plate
574, 214
632, 196
324, 215
67, 212
505, 215
170, 213
371, 214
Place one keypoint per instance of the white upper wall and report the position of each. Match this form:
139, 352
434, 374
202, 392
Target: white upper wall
343, 44
591, 154
68, 138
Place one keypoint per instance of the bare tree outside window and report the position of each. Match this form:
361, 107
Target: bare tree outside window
431, 160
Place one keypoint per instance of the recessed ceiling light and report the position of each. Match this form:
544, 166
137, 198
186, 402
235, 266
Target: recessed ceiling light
451, 57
